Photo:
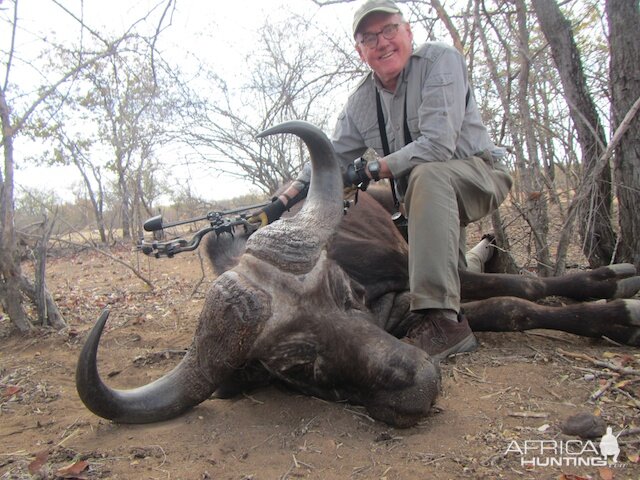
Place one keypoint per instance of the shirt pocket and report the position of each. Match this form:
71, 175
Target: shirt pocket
437, 92
439, 80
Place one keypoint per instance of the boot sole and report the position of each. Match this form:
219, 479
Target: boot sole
466, 345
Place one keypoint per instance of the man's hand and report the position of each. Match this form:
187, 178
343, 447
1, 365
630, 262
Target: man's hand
356, 174
268, 214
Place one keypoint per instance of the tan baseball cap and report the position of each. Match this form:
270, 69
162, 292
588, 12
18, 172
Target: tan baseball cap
370, 6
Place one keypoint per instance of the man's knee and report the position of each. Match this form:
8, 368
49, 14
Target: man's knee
428, 175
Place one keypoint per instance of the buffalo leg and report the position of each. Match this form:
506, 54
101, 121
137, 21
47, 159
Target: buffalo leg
613, 281
618, 320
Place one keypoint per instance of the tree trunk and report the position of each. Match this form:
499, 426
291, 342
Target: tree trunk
10, 272
453, 31
505, 262
125, 198
598, 237
624, 36
501, 261
536, 201
97, 203
48, 312
13, 284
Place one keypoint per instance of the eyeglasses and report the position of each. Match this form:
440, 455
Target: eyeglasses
370, 40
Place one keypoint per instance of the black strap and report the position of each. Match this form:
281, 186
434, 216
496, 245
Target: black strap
385, 142
405, 126
381, 126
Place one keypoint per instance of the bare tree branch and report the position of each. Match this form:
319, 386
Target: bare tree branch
155, 38
19, 123
13, 45
584, 189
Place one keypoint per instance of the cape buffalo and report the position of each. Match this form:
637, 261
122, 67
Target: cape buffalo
320, 301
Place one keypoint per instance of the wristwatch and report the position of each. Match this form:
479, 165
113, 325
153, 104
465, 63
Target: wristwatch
374, 169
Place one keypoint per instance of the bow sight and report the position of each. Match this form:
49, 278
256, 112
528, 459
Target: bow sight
219, 222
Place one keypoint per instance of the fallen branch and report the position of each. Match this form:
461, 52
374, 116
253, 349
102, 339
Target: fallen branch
110, 256
601, 391
89, 244
601, 363
617, 376
529, 414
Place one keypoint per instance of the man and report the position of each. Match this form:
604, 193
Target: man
416, 110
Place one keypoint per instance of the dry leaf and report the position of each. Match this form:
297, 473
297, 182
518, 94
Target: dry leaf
73, 470
605, 473
11, 390
544, 428
38, 462
623, 383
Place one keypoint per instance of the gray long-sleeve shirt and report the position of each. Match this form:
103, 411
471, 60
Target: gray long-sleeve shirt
443, 121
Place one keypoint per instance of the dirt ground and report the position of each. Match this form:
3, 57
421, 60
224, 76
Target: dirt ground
516, 388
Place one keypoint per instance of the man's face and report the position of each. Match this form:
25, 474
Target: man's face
388, 57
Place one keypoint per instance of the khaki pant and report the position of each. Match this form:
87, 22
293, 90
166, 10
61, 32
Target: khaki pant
442, 198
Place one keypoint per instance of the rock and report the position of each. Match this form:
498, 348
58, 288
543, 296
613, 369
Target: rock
584, 425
